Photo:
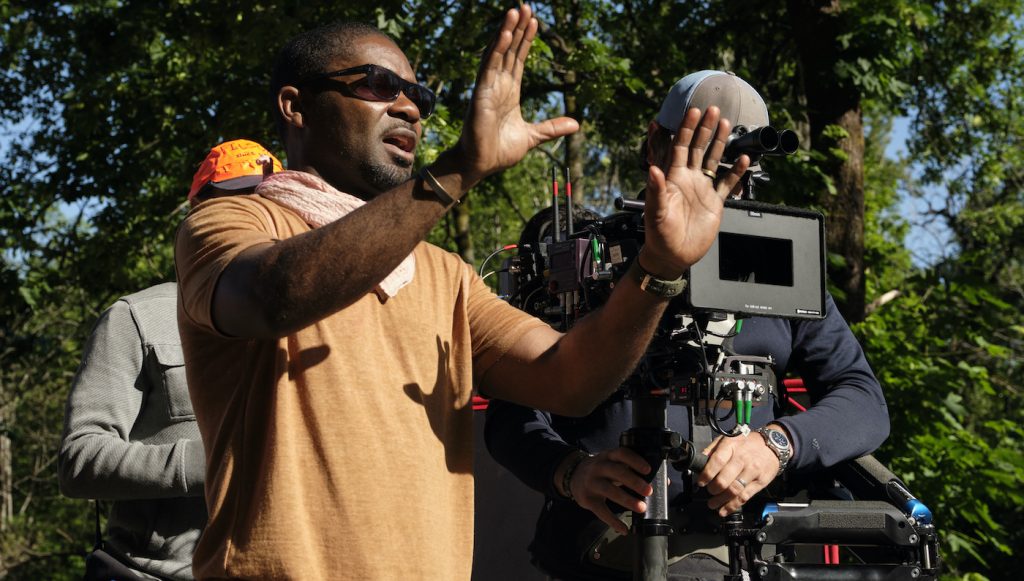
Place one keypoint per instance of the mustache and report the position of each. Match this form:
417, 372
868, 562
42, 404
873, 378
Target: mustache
399, 124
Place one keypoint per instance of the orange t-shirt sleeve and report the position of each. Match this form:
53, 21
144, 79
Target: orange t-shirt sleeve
495, 325
207, 241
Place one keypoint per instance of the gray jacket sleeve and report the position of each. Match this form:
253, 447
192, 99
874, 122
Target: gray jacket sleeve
124, 435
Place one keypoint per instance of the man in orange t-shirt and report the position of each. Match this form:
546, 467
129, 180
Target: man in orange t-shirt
331, 352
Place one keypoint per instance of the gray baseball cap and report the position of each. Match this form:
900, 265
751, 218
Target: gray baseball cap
737, 100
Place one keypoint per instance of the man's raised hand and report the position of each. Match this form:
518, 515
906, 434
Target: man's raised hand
684, 205
496, 136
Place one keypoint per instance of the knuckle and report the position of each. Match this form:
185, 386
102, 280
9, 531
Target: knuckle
720, 483
714, 463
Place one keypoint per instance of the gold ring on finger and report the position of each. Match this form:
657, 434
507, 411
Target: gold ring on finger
710, 173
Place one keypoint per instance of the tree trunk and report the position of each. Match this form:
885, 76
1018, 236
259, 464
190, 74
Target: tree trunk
574, 145
6, 483
463, 240
835, 103
568, 18
6, 467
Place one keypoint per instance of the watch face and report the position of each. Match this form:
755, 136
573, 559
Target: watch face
778, 438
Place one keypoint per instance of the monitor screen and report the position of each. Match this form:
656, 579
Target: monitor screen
755, 259
767, 260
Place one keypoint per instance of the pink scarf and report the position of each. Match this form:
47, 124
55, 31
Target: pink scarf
319, 203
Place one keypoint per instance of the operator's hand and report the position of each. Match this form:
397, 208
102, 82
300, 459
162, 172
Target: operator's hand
495, 135
684, 205
609, 476
737, 469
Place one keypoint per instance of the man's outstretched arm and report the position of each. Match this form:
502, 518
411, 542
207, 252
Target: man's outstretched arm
570, 374
270, 290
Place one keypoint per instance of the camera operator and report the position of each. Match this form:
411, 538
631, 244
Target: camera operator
589, 480
331, 353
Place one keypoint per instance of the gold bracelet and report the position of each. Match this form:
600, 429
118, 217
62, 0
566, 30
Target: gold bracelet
442, 194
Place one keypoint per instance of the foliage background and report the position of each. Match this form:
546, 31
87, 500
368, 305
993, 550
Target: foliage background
109, 105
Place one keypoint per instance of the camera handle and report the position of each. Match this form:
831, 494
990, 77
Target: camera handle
651, 438
655, 442
740, 379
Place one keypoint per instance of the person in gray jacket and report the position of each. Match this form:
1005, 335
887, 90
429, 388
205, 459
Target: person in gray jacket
130, 436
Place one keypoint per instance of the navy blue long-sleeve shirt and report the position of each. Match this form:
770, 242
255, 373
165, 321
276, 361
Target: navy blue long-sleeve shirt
847, 417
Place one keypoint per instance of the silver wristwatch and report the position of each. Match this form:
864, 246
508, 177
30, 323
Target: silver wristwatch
778, 443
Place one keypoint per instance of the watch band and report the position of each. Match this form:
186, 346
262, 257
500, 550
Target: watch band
579, 457
777, 442
657, 286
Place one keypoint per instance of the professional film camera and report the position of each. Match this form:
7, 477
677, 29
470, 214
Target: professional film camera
768, 261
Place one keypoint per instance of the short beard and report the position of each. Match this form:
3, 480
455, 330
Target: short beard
386, 176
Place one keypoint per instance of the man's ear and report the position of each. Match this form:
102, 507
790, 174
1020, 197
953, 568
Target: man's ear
289, 106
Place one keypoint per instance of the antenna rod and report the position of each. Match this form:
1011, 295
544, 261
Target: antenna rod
568, 200
557, 227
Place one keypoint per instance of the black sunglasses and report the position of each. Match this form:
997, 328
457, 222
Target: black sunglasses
381, 84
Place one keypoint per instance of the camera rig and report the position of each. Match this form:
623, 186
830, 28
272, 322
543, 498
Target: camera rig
767, 261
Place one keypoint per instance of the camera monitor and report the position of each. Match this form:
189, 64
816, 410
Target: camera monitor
768, 260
